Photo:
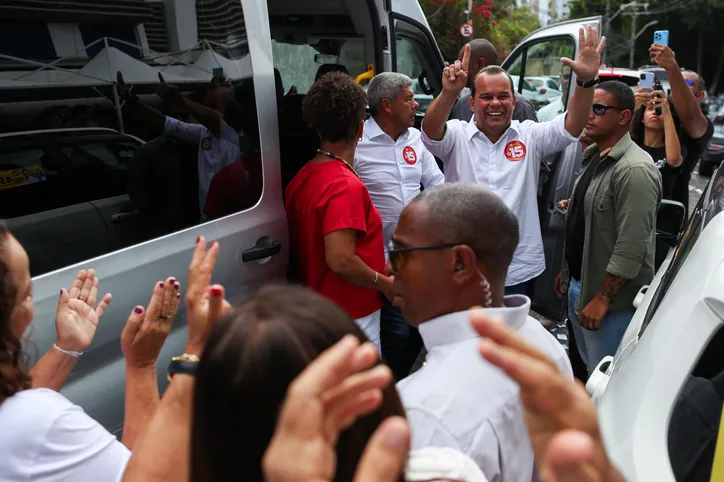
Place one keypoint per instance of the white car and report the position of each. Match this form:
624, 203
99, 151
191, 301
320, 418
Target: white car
660, 397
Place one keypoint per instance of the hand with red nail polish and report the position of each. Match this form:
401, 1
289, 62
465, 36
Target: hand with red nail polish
205, 304
146, 330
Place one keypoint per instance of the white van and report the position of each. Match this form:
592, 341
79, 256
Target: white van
85, 212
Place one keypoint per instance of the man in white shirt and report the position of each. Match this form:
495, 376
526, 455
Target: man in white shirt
450, 253
392, 162
503, 154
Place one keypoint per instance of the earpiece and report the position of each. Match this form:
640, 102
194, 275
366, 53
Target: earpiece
458, 266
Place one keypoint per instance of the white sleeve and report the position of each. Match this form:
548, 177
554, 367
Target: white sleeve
444, 147
428, 431
431, 174
228, 133
76, 447
551, 136
188, 132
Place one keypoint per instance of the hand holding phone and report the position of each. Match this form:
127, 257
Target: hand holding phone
647, 80
658, 87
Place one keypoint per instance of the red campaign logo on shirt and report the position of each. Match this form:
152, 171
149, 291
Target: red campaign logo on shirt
515, 151
206, 143
409, 155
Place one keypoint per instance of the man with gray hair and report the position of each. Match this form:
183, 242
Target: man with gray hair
450, 253
392, 162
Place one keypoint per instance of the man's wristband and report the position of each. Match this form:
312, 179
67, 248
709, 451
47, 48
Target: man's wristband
587, 85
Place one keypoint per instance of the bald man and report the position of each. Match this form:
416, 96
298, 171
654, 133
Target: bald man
449, 253
482, 54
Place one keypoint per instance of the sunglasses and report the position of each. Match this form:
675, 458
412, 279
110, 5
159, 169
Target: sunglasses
601, 109
396, 254
689, 82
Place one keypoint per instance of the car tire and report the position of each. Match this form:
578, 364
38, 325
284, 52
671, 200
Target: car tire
706, 169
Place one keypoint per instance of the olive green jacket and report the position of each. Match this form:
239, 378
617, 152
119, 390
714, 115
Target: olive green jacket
620, 221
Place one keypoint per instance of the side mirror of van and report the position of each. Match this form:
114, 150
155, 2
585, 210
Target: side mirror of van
670, 220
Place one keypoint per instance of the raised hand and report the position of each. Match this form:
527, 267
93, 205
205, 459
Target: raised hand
338, 387
205, 304
170, 93
455, 76
660, 100
124, 90
146, 330
643, 96
560, 416
663, 56
76, 319
589, 56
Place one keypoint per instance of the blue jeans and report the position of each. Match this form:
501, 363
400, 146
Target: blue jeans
594, 345
519, 289
401, 342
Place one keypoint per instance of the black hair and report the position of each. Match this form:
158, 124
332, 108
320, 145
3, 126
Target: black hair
492, 70
334, 107
622, 94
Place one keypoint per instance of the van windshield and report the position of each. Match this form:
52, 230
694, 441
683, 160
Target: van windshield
299, 64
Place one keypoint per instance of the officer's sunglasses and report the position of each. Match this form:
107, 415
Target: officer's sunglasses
396, 254
601, 109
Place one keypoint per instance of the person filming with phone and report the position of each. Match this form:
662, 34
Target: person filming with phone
687, 91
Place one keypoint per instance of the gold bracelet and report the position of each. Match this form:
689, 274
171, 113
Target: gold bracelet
377, 276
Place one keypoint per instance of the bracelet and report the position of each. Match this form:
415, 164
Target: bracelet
589, 84
377, 276
74, 354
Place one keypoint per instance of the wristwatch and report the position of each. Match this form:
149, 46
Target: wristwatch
185, 364
587, 85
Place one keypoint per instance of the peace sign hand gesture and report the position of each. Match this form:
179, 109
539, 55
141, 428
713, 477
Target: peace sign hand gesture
589, 56
455, 76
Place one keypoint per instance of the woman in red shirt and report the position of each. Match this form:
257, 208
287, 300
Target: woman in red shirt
335, 230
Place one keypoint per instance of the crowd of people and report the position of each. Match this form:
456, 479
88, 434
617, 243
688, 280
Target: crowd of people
396, 255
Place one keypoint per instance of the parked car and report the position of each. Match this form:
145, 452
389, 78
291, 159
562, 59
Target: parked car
714, 154
657, 418
627, 76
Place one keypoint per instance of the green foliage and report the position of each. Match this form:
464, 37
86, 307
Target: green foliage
500, 21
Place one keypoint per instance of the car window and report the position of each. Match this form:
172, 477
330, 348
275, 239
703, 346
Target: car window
299, 64
541, 63
691, 235
78, 162
408, 63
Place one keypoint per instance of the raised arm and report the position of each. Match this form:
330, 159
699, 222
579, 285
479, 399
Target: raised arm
209, 118
687, 106
674, 156
142, 113
586, 68
454, 79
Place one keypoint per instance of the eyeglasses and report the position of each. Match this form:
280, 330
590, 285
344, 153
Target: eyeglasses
601, 109
396, 253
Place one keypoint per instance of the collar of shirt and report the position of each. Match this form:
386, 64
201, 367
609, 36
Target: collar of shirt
372, 130
456, 327
471, 129
616, 151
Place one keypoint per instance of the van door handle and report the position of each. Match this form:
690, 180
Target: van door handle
264, 248
122, 217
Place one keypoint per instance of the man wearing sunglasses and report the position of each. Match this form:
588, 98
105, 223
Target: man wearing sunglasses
449, 253
503, 154
610, 227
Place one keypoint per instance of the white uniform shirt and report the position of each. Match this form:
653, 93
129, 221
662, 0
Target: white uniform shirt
215, 152
510, 168
393, 171
44, 437
552, 110
459, 400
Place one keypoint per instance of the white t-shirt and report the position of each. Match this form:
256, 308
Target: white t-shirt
215, 152
510, 169
44, 437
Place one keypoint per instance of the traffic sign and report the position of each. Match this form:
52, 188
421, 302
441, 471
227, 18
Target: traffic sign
466, 30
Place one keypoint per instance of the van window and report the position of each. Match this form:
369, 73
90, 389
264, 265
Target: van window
546, 80
81, 176
299, 64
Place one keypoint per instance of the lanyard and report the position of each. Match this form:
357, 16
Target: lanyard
337, 158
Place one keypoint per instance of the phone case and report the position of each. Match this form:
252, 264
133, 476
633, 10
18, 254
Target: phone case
661, 37
647, 80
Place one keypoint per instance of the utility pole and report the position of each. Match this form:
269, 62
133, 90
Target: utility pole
632, 44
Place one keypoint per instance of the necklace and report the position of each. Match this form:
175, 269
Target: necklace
337, 158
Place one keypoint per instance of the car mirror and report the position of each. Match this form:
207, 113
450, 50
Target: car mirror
670, 220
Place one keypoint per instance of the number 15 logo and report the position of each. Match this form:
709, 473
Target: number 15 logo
515, 151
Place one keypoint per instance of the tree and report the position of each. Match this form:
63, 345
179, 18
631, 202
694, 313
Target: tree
500, 21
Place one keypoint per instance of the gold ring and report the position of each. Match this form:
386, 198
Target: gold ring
164, 317
82, 299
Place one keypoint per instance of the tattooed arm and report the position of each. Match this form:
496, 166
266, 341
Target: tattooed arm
597, 308
611, 286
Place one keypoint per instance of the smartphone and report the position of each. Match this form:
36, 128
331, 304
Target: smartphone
658, 86
647, 80
661, 37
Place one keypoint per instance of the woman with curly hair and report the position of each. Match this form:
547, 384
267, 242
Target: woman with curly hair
335, 230
43, 436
